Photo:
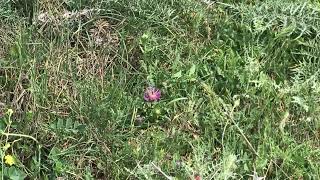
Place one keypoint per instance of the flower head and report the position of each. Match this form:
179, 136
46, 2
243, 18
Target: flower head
9, 160
152, 94
197, 177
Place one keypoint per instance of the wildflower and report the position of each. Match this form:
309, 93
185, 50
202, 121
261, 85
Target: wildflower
152, 94
9, 160
197, 177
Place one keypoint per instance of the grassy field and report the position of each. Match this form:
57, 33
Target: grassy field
239, 82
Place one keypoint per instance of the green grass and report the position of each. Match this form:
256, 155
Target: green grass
239, 81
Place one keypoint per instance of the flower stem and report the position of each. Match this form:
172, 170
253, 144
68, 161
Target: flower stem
20, 135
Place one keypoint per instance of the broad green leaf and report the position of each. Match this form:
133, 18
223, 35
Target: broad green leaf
16, 174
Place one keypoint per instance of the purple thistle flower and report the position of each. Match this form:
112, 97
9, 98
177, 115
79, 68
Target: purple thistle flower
152, 94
